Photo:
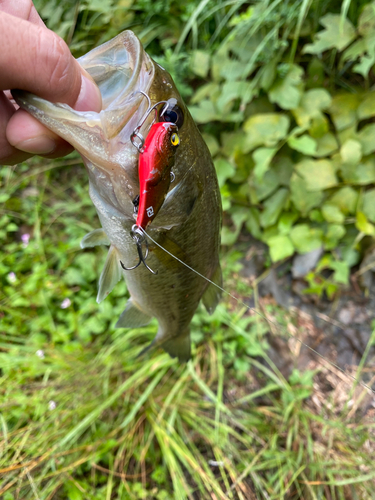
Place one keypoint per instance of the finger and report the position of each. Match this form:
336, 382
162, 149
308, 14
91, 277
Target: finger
23, 9
34, 58
8, 154
45, 67
26, 134
45, 142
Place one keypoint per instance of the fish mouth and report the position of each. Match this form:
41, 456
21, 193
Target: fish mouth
121, 69
115, 67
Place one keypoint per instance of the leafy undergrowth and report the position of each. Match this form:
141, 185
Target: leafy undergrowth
82, 418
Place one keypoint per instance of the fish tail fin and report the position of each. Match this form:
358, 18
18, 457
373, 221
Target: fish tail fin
177, 347
133, 317
212, 293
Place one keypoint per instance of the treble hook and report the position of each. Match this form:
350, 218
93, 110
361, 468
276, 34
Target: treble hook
139, 238
136, 133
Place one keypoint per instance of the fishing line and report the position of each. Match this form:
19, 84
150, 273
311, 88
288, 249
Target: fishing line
259, 314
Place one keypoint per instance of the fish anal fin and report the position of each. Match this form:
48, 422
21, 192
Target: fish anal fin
212, 293
95, 238
110, 276
133, 317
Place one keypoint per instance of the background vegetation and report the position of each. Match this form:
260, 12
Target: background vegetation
282, 91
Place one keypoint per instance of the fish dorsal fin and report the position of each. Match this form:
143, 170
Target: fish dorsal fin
94, 238
212, 294
133, 317
111, 274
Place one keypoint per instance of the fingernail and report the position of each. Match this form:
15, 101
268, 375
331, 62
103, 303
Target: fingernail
89, 98
40, 145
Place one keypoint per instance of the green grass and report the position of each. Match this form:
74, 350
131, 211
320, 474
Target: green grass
82, 418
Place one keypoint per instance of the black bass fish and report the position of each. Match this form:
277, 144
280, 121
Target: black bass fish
189, 220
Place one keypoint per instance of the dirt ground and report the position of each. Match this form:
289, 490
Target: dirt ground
339, 330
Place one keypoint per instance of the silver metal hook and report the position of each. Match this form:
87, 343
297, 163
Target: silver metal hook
136, 133
139, 237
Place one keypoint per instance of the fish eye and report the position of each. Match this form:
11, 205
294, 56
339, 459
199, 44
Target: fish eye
175, 140
173, 113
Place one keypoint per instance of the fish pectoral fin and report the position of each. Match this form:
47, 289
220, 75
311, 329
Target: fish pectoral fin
133, 317
94, 238
212, 293
179, 347
111, 274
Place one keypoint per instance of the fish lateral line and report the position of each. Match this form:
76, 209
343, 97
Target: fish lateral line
239, 301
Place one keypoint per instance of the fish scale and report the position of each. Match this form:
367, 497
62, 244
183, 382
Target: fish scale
188, 222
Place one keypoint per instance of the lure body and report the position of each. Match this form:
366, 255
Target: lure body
154, 170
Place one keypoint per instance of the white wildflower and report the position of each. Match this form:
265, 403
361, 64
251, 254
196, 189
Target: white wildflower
25, 239
65, 303
12, 278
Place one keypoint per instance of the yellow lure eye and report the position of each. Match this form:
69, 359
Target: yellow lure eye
175, 140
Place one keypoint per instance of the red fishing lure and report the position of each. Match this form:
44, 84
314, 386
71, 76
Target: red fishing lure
154, 169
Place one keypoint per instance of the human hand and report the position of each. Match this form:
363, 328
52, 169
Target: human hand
35, 59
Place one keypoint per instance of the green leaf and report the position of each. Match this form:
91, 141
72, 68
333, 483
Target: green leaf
356, 50
332, 213
336, 35
303, 199
283, 167
365, 65
224, 170
200, 63
229, 92
252, 223
304, 144
366, 21
287, 90
205, 112
212, 143
369, 204
265, 130
238, 216
261, 188
262, 158
351, 152
286, 222
367, 107
341, 271
272, 207
232, 142
363, 225
332, 236
326, 145
306, 238
319, 126
319, 174
268, 74
345, 199
280, 247
344, 110
312, 103
361, 174
210, 90
366, 137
